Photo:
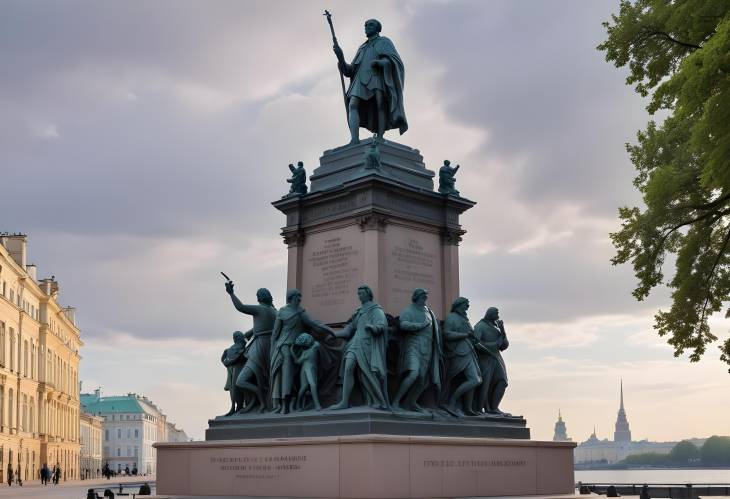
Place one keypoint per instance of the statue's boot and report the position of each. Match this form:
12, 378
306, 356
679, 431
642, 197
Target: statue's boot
338, 407
496, 397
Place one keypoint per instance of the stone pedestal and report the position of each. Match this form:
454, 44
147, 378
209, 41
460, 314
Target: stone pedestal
364, 420
385, 227
372, 466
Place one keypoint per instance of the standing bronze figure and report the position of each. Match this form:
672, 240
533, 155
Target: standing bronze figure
291, 321
254, 376
233, 359
420, 360
365, 352
375, 97
492, 339
461, 359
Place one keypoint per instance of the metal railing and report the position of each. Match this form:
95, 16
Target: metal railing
128, 489
649, 490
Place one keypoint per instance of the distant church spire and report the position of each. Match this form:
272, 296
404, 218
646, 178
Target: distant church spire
622, 395
561, 433
622, 432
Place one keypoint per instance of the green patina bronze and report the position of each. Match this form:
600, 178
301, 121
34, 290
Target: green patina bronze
364, 354
421, 360
461, 359
291, 320
233, 358
375, 96
491, 340
254, 374
298, 180
447, 180
306, 356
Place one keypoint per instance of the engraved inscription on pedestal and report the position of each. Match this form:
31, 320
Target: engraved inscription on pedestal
413, 260
332, 271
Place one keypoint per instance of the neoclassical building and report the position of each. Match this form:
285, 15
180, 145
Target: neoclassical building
39, 365
91, 449
131, 424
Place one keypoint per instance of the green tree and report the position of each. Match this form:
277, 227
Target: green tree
715, 451
684, 452
646, 459
678, 53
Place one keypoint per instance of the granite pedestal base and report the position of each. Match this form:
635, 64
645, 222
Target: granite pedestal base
365, 466
362, 421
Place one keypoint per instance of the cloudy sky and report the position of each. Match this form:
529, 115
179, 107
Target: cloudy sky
141, 144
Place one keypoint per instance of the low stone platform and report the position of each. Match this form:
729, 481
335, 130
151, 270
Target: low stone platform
364, 421
372, 466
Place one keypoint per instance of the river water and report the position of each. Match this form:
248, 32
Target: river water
695, 476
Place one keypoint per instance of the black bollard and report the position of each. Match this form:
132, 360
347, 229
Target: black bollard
611, 491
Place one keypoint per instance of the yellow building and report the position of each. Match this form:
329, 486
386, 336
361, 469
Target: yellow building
39, 364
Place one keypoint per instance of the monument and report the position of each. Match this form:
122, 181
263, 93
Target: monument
370, 381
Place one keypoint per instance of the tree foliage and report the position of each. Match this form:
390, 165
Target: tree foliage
678, 54
684, 452
716, 451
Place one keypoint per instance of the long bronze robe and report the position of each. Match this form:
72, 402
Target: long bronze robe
364, 81
369, 349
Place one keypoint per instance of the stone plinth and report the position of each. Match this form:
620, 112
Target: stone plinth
363, 420
373, 466
398, 162
386, 228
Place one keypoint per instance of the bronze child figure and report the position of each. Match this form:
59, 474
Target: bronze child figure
306, 354
233, 358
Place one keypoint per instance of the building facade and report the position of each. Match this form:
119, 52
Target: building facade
90, 433
596, 451
130, 425
175, 434
39, 365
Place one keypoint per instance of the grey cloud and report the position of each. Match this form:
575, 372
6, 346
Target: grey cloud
529, 73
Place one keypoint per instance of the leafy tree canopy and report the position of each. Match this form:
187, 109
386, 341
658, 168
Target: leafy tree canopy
716, 451
678, 53
684, 452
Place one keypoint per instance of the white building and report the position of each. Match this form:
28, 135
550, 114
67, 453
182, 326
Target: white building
132, 423
91, 449
175, 434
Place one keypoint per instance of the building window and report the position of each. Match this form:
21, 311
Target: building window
106, 435
119, 433
11, 409
136, 433
129, 433
2, 343
119, 452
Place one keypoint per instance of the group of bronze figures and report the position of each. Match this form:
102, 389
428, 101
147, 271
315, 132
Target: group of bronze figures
410, 363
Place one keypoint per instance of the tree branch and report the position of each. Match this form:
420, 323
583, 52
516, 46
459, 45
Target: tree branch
710, 275
705, 206
654, 32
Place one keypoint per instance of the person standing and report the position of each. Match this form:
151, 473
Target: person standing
10, 475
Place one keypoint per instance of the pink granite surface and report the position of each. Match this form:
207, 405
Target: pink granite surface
372, 466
